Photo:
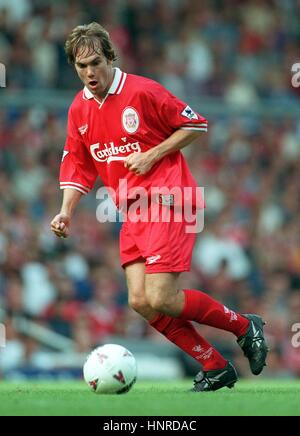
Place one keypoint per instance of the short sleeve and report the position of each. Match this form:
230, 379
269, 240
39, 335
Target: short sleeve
173, 112
77, 169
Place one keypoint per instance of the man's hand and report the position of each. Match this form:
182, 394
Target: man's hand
139, 163
60, 225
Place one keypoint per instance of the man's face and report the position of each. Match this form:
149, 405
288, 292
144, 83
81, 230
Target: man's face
95, 71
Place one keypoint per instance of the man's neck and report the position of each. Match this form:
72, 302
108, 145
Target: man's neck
103, 95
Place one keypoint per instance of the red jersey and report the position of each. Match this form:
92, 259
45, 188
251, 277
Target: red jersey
136, 115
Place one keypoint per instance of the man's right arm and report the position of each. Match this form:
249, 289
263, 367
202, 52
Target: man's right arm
61, 222
77, 177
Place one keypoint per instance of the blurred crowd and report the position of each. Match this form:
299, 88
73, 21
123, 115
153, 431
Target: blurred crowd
249, 253
237, 49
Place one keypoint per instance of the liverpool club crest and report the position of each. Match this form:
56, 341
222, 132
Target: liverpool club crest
130, 120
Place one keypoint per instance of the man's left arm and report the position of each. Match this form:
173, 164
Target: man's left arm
141, 163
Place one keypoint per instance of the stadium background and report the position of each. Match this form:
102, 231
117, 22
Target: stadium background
230, 60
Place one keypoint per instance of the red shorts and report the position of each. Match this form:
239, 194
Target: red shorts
163, 246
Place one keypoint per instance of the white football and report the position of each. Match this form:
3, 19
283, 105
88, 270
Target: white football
110, 369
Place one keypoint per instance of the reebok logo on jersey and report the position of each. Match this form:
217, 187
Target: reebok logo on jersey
153, 259
83, 129
189, 113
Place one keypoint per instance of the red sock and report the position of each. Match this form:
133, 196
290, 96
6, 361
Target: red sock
184, 335
203, 309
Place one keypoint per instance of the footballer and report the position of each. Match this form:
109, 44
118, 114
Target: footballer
130, 128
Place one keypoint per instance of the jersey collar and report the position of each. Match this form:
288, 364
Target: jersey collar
116, 86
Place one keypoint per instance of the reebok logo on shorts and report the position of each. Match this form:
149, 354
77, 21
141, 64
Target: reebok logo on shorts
153, 259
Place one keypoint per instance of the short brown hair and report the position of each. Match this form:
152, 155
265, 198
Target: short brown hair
89, 36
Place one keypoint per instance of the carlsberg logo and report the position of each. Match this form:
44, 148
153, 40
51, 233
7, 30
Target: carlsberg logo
111, 152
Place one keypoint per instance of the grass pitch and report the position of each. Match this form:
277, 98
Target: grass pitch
251, 397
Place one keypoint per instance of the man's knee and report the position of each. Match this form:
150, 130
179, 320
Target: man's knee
138, 303
162, 293
157, 300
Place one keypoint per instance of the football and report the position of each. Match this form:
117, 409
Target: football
110, 369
